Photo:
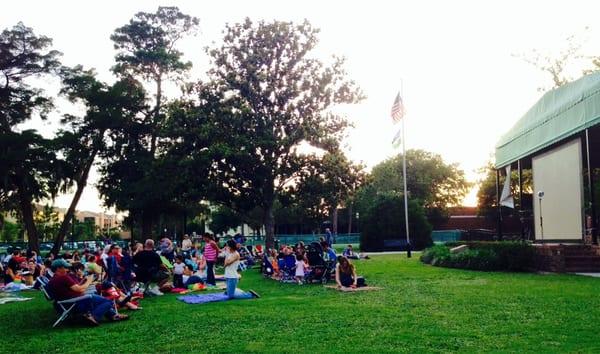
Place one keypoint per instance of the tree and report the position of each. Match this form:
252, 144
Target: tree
108, 109
222, 219
134, 177
556, 66
325, 185
46, 222
384, 220
430, 180
277, 98
487, 194
27, 173
10, 231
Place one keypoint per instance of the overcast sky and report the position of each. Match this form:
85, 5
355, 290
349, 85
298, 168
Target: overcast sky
456, 62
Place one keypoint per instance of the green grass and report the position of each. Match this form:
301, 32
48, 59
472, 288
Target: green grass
421, 309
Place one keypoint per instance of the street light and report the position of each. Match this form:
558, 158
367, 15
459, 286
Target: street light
540, 196
357, 216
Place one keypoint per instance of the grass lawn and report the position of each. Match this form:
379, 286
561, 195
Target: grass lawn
421, 309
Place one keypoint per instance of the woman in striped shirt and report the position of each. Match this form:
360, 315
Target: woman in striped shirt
211, 251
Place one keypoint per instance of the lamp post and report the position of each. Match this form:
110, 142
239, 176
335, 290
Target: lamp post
357, 216
540, 196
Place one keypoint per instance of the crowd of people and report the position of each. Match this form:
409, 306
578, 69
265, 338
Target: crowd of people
117, 278
318, 261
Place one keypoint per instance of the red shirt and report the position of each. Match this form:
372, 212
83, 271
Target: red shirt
60, 285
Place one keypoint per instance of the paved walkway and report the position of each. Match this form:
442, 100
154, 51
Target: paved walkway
390, 252
594, 275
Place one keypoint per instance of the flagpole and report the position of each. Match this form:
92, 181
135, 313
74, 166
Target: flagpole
408, 247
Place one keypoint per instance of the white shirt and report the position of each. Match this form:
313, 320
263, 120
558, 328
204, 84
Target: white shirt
178, 268
231, 270
186, 245
299, 268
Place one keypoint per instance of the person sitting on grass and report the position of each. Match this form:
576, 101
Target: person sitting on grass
345, 273
64, 287
232, 261
178, 270
349, 253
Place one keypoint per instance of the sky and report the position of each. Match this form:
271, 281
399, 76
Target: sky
458, 64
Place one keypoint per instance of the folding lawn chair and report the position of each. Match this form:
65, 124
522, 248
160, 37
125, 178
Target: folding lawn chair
63, 307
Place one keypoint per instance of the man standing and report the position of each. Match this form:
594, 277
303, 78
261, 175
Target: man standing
328, 237
64, 287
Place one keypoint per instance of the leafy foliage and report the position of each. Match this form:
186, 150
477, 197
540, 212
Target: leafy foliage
430, 180
510, 256
385, 220
136, 175
279, 98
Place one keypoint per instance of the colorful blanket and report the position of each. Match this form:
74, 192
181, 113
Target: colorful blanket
203, 298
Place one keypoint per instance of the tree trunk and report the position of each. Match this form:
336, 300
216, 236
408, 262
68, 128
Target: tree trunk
156, 114
64, 226
334, 221
349, 218
27, 214
269, 226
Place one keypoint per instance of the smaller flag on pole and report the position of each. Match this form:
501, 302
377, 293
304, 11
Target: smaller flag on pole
397, 109
397, 139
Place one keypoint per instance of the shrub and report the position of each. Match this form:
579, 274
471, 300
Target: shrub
437, 251
384, 220
510, 256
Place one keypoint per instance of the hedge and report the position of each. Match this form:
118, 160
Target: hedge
491, 256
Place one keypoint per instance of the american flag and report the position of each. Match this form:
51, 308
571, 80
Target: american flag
397, 109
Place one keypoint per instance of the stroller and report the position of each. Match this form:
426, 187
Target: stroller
267, 267
287, 269
321, 270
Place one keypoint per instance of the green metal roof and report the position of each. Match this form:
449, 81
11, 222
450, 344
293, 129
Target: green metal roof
560, 113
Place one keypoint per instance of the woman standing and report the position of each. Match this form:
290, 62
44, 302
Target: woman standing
211, 250
345, 273
232, 261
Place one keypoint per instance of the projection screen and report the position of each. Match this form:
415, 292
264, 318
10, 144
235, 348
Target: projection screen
558, 173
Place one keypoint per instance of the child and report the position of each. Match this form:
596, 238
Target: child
178, 269
91, 267
300, 267
211, 251
110, 291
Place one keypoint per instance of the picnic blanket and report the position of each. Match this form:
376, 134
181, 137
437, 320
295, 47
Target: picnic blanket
345, 289
203, 298
15, 286
4, 300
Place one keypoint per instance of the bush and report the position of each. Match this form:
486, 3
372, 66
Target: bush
510, 256
384, 220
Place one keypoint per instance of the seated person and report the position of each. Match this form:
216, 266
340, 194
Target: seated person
13, 266
91, 267
191, 277
110, 291
48, 273
63, 287
345, 273
349, 253
148, 265
330, 255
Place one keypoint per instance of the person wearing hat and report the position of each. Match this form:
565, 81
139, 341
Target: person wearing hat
65, 287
